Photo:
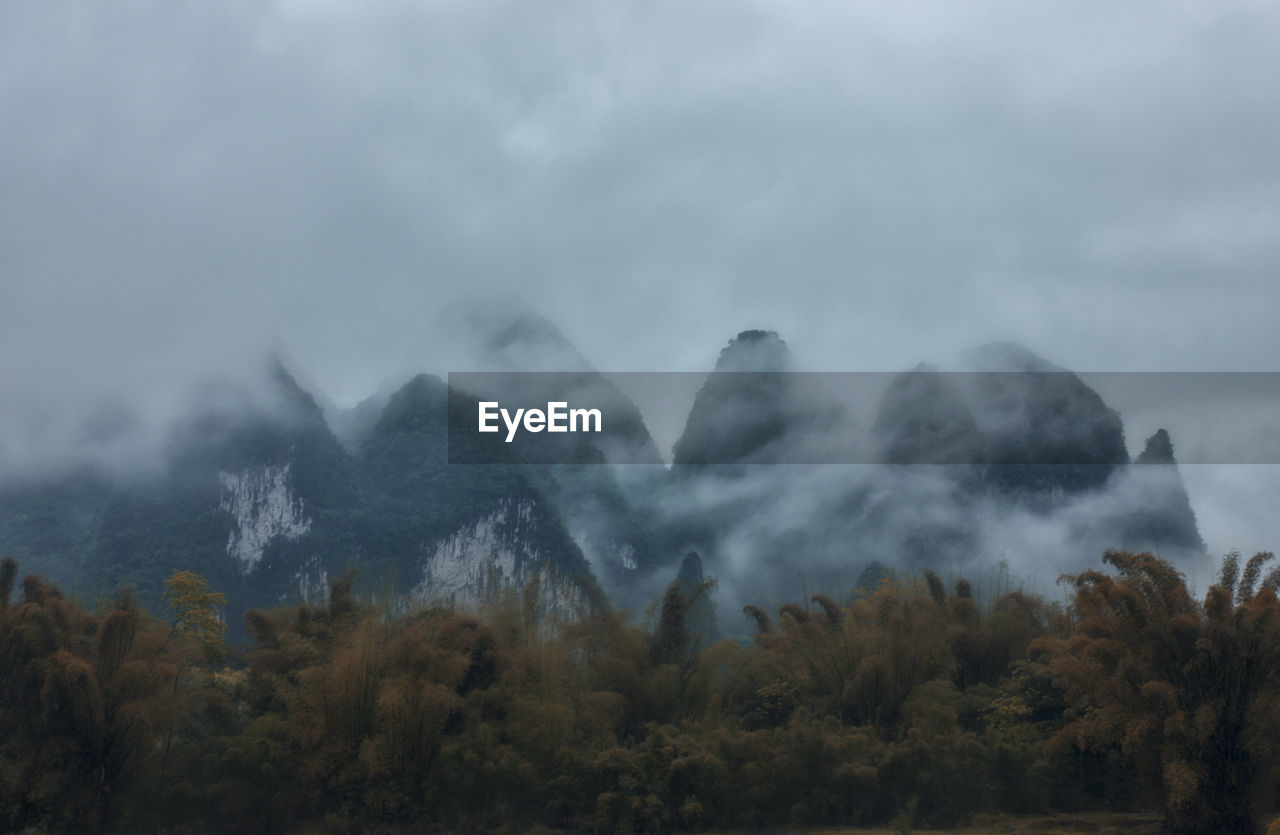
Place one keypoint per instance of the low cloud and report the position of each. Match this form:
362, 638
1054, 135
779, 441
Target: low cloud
188, 186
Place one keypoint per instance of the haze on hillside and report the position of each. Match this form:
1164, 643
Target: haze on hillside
187, 188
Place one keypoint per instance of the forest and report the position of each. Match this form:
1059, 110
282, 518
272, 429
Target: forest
907, 704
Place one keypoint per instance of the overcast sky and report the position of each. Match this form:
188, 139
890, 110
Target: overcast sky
184, 183
881, 183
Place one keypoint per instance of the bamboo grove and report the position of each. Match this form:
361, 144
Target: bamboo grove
907, 703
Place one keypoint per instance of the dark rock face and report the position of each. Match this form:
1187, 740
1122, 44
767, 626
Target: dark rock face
1158, 450
1015, 431
1050, 434
1029, 429
741, 412
923, 419
755, 350
1047, 434
753, 410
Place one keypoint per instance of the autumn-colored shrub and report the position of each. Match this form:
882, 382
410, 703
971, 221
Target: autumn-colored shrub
1189, 692
908, 704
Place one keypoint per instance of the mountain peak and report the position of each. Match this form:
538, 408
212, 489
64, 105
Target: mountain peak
419, 403
520, 339
285, 385
1007, 356
755, 350
1158, 450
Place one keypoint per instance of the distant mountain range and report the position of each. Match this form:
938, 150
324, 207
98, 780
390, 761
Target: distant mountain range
1010, 459
271, 494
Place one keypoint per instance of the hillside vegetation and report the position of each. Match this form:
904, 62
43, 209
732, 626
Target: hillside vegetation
907, 705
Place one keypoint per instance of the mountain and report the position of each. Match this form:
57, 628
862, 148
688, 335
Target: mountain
258, 496
754, 409
53, 521
1047, 434
1158, 517
459, 533
1032, 436
256, 491
519, 339
252, 490
923, 418
1012, 455
528, 360
352, 426
743, 490
1026, 428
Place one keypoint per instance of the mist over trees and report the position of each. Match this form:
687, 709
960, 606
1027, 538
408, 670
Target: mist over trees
269, 490
571, 645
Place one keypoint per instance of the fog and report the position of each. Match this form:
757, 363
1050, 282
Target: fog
186, 188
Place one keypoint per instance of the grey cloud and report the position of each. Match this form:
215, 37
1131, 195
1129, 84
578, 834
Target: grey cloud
182, 185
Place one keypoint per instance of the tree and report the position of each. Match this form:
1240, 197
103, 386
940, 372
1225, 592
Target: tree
1190, 693
195, 613
79, 709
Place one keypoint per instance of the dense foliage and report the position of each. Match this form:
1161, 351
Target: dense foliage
906, 703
